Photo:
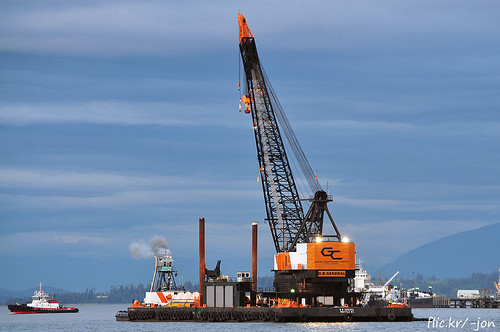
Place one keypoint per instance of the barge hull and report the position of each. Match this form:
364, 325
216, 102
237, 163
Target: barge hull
267, 314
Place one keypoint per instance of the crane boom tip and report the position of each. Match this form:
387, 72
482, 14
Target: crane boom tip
244, 29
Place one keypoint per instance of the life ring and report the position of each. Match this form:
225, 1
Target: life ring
348, 317
391, 316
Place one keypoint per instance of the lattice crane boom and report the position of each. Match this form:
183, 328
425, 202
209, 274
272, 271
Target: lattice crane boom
285, 215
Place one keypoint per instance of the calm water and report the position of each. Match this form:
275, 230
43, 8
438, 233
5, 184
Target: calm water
101, 317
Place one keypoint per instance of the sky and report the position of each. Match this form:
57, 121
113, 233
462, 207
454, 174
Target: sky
119, 123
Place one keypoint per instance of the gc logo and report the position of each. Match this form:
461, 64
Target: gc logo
328, 252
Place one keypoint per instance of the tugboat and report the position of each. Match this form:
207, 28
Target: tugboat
41, 304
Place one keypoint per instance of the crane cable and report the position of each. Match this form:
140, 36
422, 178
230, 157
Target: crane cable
292, 139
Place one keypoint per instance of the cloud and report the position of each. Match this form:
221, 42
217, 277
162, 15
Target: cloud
128, 199
71, 190
41, 242
182, 115
109, 112
53, 179
377, 72
112, 27
158, 27
457, 129
418, 205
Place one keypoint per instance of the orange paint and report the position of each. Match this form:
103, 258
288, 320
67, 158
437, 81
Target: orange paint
244, 29
162, 297
283, 261
331, 256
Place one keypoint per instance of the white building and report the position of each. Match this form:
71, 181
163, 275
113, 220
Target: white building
468, 294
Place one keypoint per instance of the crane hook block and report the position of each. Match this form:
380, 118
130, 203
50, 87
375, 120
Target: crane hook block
247, 100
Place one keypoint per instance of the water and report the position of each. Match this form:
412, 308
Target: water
101, 317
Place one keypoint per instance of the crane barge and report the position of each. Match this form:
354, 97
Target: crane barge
313, 271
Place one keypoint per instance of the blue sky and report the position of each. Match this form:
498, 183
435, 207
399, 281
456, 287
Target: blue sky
119, 121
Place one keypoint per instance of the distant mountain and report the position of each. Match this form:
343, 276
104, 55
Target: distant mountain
454, 256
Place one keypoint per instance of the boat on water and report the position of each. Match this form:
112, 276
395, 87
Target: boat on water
42, 303
419, 299
376, 295
388, 294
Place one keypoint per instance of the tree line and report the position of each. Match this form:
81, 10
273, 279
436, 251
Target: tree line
129, 293
449, 287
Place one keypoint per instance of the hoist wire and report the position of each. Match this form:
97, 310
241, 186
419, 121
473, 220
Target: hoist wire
292, 140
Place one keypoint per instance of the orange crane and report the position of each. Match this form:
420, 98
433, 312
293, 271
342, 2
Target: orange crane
308, 263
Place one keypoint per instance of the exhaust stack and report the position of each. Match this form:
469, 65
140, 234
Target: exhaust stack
201, 224
254, 256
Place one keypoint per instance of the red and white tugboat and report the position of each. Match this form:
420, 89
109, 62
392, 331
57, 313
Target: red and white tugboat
41, 304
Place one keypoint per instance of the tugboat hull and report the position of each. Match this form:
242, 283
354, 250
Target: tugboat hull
25, 309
